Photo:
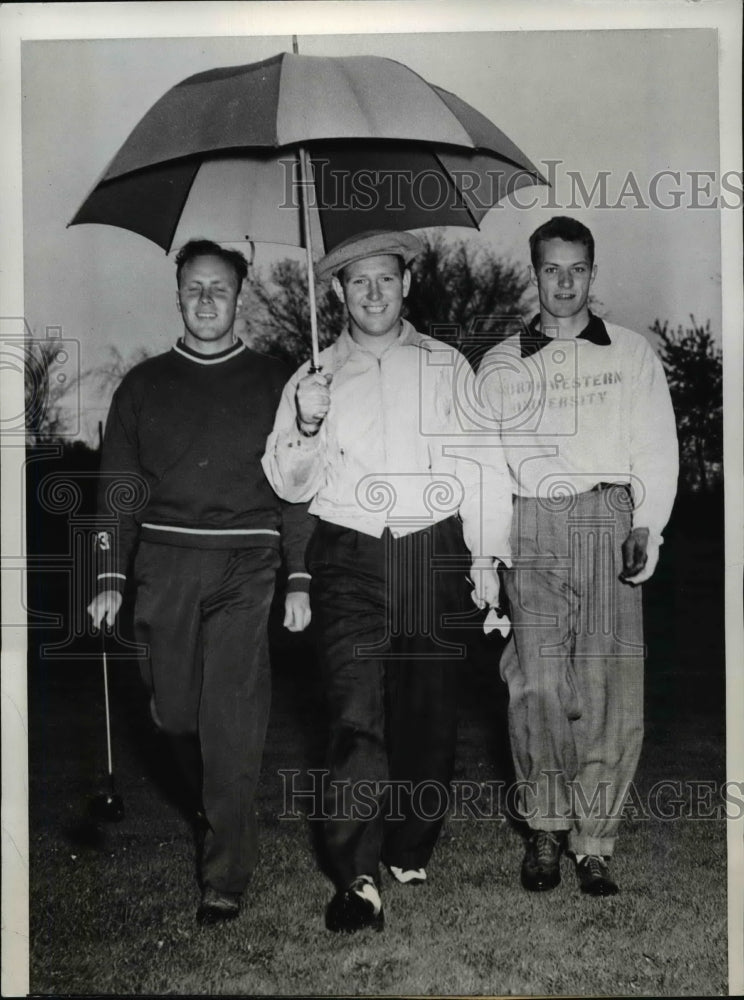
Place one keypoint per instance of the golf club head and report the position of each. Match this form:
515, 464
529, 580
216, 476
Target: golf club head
107, 807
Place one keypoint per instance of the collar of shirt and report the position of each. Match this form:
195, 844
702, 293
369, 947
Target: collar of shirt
409, 337
595, 332
208, 359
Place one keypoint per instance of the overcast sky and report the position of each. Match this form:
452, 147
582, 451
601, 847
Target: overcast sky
627, 102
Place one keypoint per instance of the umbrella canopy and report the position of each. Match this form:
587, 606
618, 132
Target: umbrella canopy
218, 155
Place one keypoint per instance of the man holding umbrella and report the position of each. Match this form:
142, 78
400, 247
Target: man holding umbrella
203, 552
378, 441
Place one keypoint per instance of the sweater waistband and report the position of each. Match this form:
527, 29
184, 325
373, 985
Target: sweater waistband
210, 538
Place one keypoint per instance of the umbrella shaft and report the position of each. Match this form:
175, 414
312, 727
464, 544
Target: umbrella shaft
309, 255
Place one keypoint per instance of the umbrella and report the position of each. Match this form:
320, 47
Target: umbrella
305, 150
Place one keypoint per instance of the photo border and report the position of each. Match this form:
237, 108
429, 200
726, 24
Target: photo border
21, 22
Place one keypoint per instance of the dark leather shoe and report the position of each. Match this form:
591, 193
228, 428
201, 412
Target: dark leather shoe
541, 865
356, 907
594, 877
217, 907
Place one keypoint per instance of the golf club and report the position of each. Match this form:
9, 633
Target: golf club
107, 806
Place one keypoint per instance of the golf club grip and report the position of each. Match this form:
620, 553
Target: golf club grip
106, 700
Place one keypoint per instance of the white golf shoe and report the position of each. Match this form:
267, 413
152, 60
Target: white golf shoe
408, 876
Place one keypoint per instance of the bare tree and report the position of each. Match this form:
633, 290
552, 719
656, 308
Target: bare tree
277, 314
460, 291
45, 416
464, 289
111, 373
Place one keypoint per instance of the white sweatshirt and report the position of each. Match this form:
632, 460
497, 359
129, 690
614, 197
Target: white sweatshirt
576, 413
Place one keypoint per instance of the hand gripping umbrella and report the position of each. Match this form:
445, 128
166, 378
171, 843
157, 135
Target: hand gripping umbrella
307, 151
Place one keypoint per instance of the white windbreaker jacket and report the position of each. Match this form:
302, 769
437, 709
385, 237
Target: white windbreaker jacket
403, 445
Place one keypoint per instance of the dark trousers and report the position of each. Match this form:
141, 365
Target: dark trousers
389, 669
203, 614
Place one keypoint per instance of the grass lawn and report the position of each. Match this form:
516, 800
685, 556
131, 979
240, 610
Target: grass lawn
113, 906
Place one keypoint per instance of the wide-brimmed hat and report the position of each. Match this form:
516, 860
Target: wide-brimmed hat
371, 243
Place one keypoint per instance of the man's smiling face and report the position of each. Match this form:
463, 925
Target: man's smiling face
563, 278
208, 299
373, 290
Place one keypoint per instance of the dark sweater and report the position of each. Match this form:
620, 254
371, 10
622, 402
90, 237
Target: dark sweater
181, 462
